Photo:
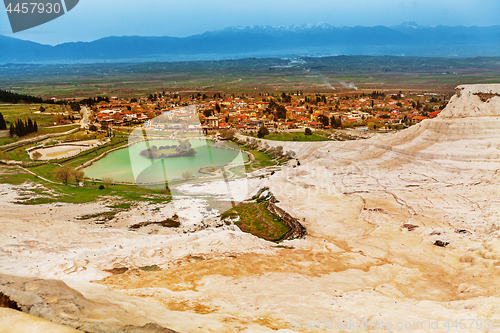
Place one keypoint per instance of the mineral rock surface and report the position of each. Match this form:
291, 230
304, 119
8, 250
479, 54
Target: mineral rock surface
373, 210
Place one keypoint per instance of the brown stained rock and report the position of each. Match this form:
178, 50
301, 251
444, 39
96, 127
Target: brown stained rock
173, 222
410, 227
485, 97
117, 270
6, 302
441, 243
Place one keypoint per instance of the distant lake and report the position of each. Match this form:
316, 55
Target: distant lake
118, 166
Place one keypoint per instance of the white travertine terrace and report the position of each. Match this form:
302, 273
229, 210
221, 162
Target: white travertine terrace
373, 210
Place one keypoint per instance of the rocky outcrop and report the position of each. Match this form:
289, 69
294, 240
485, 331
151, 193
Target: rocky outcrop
465, 131
473, 101
6, 302
173, 222
55, 301
296, 229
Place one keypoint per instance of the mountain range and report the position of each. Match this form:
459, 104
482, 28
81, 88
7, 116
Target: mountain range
407, 39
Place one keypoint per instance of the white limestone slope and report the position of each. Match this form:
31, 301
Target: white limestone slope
373, 210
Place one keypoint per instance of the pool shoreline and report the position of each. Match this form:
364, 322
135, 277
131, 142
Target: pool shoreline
201, 170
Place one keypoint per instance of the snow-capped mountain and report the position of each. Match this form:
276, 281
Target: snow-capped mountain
408, 39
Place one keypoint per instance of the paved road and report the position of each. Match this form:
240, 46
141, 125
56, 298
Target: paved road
85, 117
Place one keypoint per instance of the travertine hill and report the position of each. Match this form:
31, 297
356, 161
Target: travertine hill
467, 129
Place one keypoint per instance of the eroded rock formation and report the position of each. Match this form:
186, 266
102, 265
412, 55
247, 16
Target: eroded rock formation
53, 300
297, 230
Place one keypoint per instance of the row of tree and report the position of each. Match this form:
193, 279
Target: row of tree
22, 128
93, 100
14, 98
335, 122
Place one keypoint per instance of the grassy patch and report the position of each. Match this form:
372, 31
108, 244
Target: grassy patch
12, 112
294, 136
41, 131
121, 206
150, 268
262, 160
257, 220
57, 129
103, 217
125, 194
100, 217
18, 154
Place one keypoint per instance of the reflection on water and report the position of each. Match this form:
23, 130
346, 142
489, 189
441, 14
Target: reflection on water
117, 165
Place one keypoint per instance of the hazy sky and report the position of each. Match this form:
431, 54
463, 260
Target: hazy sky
93, 19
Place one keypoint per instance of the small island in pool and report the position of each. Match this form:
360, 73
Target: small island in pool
183, 149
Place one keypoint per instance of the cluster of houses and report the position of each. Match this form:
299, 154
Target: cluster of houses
248, 113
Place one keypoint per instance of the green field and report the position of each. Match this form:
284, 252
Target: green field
258, 221
45, 120
251, 75
262, 160
53, 193
41, 131
12, 112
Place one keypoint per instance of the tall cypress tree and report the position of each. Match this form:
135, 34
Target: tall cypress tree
19, 128
3, 125
30, 126
23, 126
12, 130
336, 122
35, 126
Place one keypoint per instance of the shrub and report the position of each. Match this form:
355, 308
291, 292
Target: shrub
263, 131
101, 187
36, 155
107, 181
64, 174
186, 175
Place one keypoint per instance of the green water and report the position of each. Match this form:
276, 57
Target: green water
127, 165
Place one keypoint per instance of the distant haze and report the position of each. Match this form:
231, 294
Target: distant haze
93, 19
407, 39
